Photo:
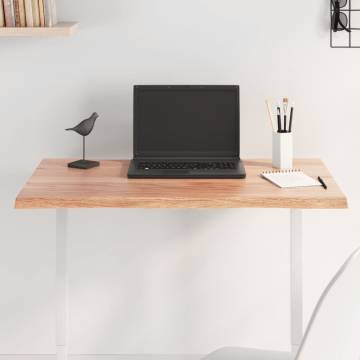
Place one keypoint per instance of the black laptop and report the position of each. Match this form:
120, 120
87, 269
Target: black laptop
186, 132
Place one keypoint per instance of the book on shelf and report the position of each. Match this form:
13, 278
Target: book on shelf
9, 13
17, 13
36, 13
54, 12
41, 13
22, 13
2, 17
19, 9
28, 13
47, 13
50, 13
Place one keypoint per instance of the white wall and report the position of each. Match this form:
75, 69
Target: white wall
182, 281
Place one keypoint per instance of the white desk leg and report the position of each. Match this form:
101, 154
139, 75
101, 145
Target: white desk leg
61, 285
296, 279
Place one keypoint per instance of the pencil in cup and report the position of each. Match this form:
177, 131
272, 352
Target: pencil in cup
271, 115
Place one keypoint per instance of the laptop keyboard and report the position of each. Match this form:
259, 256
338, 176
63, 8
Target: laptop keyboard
165, 165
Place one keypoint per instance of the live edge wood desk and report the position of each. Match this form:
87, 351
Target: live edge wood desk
54, 186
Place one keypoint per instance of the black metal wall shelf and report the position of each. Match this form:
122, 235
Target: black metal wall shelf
342, 38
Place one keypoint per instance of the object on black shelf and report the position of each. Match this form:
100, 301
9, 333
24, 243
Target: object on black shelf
84, 129
339, 20
344, 23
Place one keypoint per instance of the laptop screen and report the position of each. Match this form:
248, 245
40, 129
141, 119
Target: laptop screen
186, 121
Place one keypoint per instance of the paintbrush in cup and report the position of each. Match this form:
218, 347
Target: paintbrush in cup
285, 107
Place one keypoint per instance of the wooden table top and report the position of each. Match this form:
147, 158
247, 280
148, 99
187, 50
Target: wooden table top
53, 185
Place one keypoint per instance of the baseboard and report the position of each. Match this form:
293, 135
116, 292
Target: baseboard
103, 357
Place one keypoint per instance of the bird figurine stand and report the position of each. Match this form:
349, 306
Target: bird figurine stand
84, 129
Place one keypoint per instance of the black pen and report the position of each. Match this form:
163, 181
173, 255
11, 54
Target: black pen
279, 119
321, 181
291, 118
285, 108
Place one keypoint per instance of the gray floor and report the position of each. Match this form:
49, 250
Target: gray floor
103, 357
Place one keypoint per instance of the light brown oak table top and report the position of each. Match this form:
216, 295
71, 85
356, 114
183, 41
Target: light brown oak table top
53, 186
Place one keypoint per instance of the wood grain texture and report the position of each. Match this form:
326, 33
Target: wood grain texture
54, 185
60, 29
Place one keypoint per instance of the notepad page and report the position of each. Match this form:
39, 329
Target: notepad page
289, 179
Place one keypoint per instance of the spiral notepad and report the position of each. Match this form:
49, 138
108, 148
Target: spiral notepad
289, 178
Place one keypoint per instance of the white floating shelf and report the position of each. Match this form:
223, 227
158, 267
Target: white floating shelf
60, 29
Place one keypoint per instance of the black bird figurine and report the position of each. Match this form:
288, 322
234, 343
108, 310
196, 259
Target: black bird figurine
84, 129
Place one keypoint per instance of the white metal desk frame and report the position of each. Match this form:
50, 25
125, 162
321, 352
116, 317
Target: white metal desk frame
62, 302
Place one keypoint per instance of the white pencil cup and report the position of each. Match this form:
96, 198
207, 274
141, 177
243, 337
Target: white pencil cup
282, 150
